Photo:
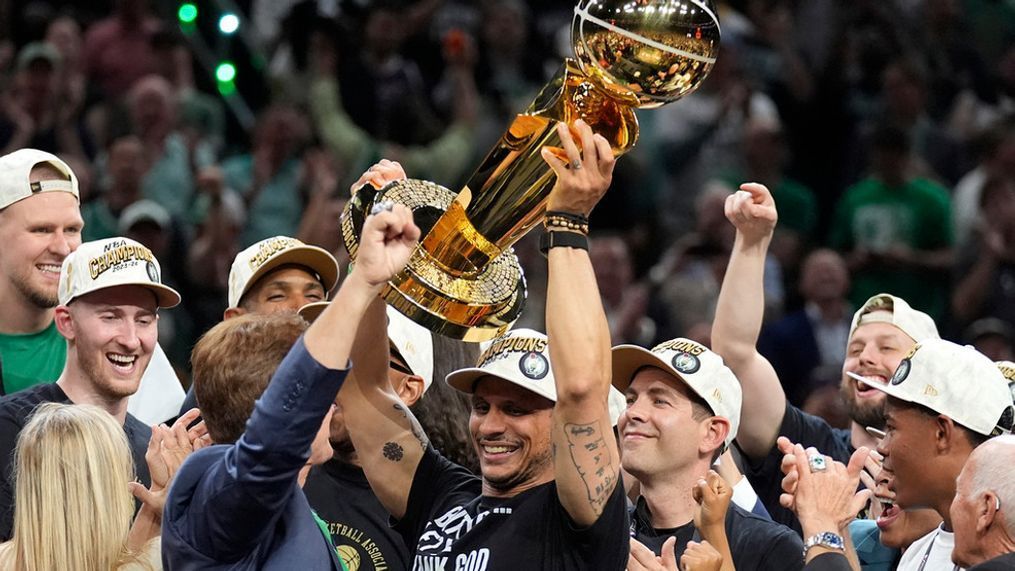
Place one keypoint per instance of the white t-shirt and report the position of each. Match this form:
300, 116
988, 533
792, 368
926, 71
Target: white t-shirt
940, 543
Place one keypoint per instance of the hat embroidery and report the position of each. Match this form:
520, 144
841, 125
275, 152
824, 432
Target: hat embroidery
902, 372
117, 256
271, 247
686, 363
153, 272
1008, 372
534, 365
930, 391
717, 395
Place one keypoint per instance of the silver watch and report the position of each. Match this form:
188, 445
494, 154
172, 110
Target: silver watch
825, 539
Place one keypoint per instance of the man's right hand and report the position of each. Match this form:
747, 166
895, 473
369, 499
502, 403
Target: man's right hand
583, 179
387, 241
752, 210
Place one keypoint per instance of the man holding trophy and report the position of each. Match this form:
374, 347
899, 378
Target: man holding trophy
549, 496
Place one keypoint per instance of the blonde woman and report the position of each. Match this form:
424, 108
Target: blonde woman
73, 508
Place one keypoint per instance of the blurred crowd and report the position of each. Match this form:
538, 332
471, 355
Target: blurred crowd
885, 131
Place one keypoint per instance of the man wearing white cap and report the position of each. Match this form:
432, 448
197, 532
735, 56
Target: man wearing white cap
944, 400
110, 292
881, 333
40, 224
683, 410
279, 274
549, 496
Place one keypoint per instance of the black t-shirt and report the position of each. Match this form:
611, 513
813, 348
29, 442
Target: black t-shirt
359, 524
801, 428
454, 527
756, 543
15, 411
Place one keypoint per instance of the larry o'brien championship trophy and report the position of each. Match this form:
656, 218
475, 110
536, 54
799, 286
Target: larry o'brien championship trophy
463, 280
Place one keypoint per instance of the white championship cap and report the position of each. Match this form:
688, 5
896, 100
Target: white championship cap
15, 171
887, 308
257, 260
520, 356
700, 369
109, 263
412, 341
956, 381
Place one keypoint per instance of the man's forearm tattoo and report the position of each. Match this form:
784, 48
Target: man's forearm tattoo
591, 456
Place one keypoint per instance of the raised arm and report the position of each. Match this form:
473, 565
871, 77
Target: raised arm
586, 461
738, 316
389, 442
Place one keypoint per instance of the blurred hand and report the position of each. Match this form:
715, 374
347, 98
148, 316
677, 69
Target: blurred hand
713, 495
379, 175
586, 175
752, 211
700, 557
168, 447
642, 558
211, 181
385, 245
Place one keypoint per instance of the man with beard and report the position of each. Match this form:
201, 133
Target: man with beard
881, 333
110, 292
39, 225
549, 496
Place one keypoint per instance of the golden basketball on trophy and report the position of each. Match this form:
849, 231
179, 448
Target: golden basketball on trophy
463, 280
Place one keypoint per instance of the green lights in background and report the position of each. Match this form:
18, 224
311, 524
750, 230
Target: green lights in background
187, 13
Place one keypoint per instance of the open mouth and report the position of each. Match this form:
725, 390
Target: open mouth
865, 388
495, 452
49, 270
890, 512
122, 363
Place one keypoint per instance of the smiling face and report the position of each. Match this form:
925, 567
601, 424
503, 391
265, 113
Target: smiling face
874, 351
111, 335
510, 429
37, 233
910, 451
899, 527
664, 430
283, 290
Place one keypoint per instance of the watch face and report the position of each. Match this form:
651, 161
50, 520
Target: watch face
831, 540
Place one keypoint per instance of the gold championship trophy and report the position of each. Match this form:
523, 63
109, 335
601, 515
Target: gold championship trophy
464, 281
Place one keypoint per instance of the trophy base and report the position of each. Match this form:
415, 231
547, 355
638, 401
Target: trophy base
468, 306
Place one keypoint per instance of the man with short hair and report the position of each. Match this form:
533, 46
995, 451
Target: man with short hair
881, 333
549, 496
683, 410
238, 504
110, 292
943, 401
982, 511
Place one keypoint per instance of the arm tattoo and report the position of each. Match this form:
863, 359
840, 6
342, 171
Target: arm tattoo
393, 451
414, 426
591, 457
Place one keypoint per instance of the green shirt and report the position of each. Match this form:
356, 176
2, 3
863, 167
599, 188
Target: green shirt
32, 359
876, 217
100, 222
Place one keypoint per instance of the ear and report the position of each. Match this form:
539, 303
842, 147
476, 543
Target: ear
232, 312
410, 388
64, 322
945, 433
986, 506
714, 431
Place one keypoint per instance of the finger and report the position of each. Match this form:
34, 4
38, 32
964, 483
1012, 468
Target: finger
590, 154
856, 461
859, 502
573, 154
668, 554
698, 491
759, 192
803, 466
788, 463
641, 554
786, 500
188, 418
143, 494
715, 481
605, 155
868, 481
730, 214
784, 444
203, 442
559, 166
199, 430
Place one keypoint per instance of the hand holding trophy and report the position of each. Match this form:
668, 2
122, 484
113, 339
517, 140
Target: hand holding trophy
463, 280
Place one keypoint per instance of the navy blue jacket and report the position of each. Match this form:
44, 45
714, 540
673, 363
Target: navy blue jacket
240, 506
